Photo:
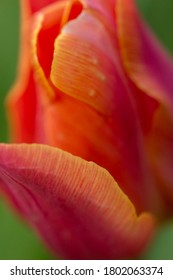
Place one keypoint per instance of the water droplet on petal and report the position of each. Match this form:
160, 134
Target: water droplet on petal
101, 76
92, 92
95, 61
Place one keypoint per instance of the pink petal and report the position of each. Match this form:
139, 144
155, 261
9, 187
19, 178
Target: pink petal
106, 8
76, 206
150, 68
145, 61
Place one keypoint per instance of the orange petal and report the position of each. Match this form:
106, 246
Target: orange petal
48, 23
80, 53
71, 124
76, 206
88, 113
95, 77
21, 101
46, 27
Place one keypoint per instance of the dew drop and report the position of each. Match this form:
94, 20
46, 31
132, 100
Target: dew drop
101, 76
95, 61
92, 92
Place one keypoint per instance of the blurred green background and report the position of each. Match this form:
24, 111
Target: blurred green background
17, 241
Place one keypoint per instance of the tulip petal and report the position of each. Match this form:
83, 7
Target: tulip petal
36, 5
106, 8
161, 153
21, 101
75, 205
147, 64
151, 70
46, 27
49, 21
84, 58
91, 106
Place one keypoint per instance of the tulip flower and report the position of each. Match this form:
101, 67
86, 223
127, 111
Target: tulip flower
90, 119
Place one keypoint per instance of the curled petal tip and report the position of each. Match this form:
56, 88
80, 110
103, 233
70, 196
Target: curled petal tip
145, 60
77, 54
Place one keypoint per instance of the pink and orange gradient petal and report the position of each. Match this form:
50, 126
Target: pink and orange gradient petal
150, 68
106, 138
146, 62
71, 201
106, 8
85, 57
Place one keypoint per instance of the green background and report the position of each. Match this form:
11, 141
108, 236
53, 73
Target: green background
17, 241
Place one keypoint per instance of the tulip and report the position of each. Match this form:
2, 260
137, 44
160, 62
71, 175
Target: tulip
90, 118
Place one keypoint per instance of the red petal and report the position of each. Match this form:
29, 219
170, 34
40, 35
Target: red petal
21, 101
75, 205
46, 27
36, 5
